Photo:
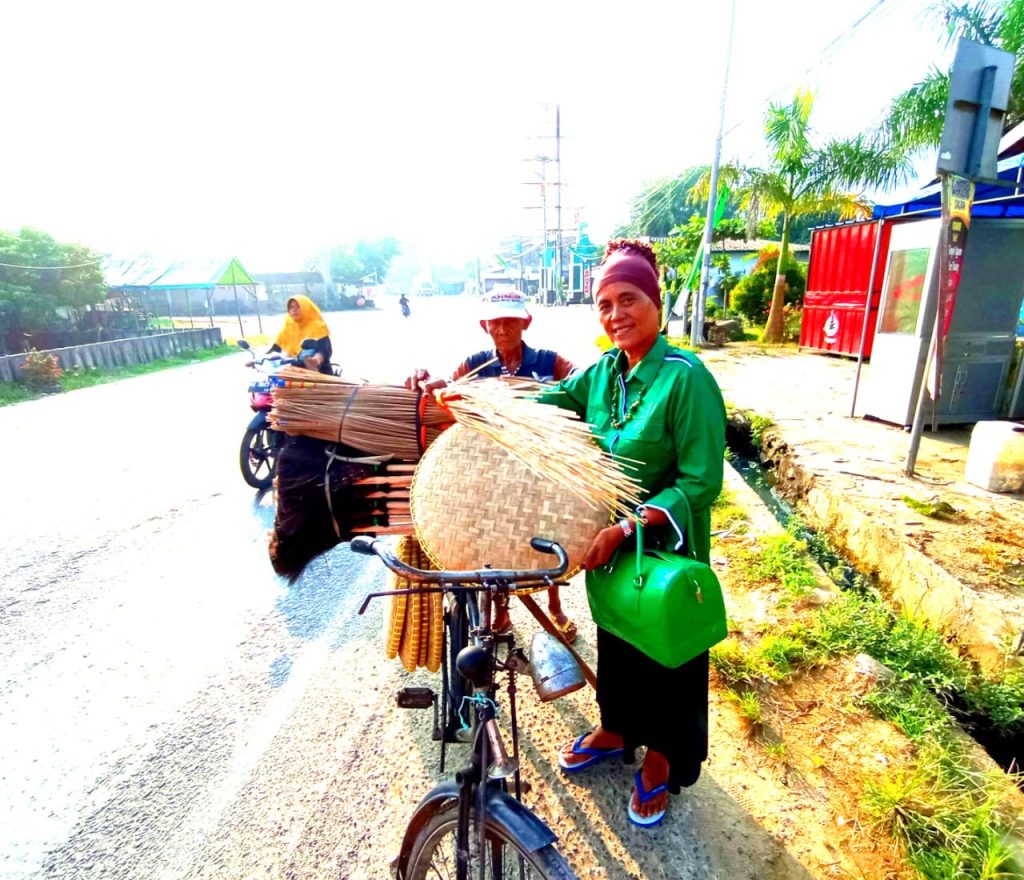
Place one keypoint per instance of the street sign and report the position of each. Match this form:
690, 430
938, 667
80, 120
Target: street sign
979, 91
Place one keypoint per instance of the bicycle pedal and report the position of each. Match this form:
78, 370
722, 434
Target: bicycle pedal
415, 698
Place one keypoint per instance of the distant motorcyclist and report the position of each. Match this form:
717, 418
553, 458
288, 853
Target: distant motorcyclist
403, 301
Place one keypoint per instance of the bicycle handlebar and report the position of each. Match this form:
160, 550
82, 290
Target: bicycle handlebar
474, 579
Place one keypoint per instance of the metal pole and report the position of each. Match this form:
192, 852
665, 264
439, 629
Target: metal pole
697, 331
932, 301
558, 184
256, 300
238, 310
545, 275
188, 305
867, 312
918, 426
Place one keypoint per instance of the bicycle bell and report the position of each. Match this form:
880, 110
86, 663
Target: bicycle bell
554, 670
474, 664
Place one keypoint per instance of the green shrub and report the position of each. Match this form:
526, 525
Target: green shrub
752, 296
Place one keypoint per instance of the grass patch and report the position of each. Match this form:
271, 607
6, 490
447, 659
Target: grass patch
748, 704
911, 707
935, 508
726, 514
774, 659
780, 559
952, 820
15, 392
74, 379
758, 425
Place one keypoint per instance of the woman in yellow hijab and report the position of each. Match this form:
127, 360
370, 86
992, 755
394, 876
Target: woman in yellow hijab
304, 322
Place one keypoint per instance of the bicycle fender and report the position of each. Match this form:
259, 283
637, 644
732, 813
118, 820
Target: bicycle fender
502, 809
518, 820
258, 421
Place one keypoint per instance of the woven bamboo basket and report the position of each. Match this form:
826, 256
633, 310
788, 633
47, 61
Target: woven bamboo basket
473, 502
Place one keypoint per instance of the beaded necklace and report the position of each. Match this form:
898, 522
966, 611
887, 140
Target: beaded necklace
617, 405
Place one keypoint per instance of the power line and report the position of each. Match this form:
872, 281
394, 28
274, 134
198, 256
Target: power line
830, 48
820, 59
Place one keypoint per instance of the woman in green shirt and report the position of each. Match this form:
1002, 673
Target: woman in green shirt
661, 408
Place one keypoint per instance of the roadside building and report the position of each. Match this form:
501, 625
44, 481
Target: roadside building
198, 289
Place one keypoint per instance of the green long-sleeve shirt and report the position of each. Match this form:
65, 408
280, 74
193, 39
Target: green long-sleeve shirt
676, 434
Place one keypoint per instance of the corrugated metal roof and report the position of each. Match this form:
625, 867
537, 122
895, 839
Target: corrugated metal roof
133, 271
193, 273
157, 273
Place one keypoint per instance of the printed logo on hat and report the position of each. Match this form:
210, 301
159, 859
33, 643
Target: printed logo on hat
504, 303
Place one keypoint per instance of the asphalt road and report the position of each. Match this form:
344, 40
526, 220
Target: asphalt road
150, 658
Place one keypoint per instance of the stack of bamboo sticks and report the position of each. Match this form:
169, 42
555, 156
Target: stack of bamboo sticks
381, 502
377, 419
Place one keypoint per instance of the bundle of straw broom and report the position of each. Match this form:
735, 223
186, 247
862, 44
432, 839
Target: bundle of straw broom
378, 419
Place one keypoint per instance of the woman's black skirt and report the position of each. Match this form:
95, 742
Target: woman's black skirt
654, 706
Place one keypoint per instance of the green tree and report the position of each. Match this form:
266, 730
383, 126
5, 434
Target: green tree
351, 263
801, 179
915, 117
39, 275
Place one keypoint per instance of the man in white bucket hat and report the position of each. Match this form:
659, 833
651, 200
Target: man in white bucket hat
505, 317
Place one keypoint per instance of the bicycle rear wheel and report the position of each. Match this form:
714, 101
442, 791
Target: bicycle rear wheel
433, 854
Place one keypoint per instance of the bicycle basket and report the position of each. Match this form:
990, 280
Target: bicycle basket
473, 502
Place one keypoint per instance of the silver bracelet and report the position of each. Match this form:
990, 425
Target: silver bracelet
627, 527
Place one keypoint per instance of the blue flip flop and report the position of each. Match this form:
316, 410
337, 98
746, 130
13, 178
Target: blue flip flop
594, 756
645, 796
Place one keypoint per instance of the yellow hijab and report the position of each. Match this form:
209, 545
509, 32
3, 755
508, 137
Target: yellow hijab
309, 326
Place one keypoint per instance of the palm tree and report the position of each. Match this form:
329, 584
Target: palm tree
803, 179
663, 205
915, 117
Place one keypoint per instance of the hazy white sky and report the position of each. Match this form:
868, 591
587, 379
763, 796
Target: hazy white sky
268, 130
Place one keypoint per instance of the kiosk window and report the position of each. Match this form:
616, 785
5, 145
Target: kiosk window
907, 270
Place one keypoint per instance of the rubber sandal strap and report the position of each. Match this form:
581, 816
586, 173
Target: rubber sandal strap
579, 749
642, 793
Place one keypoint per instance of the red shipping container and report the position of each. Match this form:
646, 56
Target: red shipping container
837, 287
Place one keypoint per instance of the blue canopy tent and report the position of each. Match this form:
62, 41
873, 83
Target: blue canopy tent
990, 199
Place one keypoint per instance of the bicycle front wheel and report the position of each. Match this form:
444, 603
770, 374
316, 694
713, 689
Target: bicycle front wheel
433, 854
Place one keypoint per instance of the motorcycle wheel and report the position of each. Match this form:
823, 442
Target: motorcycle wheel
257, 457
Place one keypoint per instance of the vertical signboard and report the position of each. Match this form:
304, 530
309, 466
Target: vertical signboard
957, 198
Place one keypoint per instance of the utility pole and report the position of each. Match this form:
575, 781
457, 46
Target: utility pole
697, 330
558, 233
543, 184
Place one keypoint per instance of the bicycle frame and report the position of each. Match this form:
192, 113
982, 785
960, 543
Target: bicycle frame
480, 788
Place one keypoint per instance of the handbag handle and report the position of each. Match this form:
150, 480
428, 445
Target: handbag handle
638, 580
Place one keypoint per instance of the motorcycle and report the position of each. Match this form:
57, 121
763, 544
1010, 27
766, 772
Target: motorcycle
257, 456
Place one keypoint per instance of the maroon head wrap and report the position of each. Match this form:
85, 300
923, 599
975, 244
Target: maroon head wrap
630, 265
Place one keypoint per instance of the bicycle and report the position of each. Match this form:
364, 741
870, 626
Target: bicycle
472, 826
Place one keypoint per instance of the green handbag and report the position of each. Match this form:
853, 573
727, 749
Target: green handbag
668, 606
